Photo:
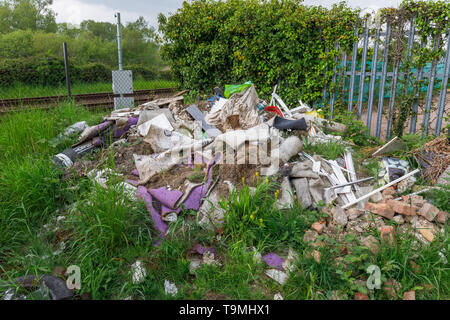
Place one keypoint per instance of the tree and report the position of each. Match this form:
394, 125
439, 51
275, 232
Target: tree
69, 30
27, 15
5, 18
143, 28
104, 30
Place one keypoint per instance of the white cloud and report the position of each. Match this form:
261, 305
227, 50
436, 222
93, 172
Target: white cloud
357, 3
75, 11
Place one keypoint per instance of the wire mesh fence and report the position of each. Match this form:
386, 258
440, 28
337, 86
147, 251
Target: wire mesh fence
20, 91
51, 76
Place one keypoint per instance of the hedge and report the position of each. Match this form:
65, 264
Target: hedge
209, 43
50, 71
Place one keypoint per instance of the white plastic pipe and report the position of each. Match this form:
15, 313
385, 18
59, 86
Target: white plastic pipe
380, 189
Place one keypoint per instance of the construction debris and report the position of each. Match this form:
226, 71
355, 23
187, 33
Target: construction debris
396, 144
170, 288
139, 272
434, 157
183, 156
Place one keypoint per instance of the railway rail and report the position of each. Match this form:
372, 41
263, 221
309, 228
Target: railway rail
103, 100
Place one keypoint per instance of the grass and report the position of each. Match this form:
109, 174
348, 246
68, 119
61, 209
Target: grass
104, 232
254, 219
197, 176
440, 197
25, 91
330, 150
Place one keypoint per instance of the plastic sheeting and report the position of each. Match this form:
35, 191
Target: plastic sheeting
242, 104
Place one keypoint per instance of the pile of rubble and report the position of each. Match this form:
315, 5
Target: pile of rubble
407, 211
175, 156
215, 141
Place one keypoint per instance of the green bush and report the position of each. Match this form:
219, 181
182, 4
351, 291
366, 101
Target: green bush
142, 72
166, 74
92, 72
49, 71
210, 43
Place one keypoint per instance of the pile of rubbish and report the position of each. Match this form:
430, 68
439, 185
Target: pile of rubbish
175, 156
434, 157
219, 141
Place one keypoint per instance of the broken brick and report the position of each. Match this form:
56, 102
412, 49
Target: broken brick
361, 296
339, 216
399, 219
387, 234
391, 288
429, 212
316, 255
442, 217
344, 250
372, 243
381, 209
427, 234
415, 200
389, 193
377, 197
402, 208
354, 213
318, 227
310, 236
409, 295
335, 295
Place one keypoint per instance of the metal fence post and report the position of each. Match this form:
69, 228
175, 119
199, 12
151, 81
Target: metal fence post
333, 92
119, 39
324, 93
444, 88
66, 67
362, 76
119, 48
392, 99
409, 56
383, 78
343, 73
373, 78
431, 78
412, 128
395, 79
354, 58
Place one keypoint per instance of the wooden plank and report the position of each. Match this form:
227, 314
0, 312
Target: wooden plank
282, 104
342, 180
351, 167
393, 145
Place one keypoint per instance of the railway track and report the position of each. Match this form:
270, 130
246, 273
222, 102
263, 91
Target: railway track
104, 100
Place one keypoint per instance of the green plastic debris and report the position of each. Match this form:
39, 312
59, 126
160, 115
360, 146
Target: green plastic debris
235, 88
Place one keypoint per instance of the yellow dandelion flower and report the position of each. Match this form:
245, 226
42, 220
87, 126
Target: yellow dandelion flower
277, 193
252, 217
261, 220
267, 181
256, 173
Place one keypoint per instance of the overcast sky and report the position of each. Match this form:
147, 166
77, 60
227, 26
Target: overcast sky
75, 11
